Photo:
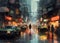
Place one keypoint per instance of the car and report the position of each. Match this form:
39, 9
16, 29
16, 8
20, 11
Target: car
23, 28
10, 31
42, 29
57, 32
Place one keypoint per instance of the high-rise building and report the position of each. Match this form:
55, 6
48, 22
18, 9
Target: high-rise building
3, 5
46, 6
3, 10
14, 6
58, 3
25, 8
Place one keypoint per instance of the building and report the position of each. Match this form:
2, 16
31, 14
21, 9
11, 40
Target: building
25, 8
49, 10
9, 9
3, 3
3, 10
14, 10
46, 6
26, 3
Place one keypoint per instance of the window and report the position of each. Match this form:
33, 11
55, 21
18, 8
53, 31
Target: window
3, 2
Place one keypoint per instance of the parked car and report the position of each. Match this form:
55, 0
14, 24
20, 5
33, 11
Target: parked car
10, 31
42, 29
57, 32
23, 28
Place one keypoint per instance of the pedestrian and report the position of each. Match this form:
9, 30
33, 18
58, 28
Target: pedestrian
29, 26
52, 29
48, 31
48, 28
30, 29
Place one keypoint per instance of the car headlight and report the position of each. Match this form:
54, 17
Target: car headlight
8, 32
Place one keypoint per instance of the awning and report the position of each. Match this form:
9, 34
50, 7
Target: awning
4, 9
55, 18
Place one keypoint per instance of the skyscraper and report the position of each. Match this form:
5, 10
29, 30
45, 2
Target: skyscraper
3, 5
46, 6
25, 8
14, 6
3, 10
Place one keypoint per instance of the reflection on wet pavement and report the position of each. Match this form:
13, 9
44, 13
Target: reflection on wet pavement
33, 38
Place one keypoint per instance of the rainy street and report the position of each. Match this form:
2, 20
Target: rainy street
33, 38
29, 21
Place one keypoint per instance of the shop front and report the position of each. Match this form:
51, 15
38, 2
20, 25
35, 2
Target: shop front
54, 21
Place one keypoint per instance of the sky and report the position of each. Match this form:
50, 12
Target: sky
34, 7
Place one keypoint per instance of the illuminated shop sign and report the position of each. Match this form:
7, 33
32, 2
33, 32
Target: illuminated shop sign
55, 18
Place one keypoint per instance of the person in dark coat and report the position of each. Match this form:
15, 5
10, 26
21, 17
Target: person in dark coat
48, 28
29, 26
30, 29
48, 31
52, 28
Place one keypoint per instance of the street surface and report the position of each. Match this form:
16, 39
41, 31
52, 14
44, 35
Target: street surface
33, 38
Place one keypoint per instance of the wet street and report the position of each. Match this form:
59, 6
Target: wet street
34, 37
29, 21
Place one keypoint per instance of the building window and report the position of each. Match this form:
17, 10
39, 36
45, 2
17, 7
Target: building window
58, 2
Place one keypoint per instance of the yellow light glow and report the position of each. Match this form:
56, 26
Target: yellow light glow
44, 37
8, 32
14, 23
56, 23
17, 11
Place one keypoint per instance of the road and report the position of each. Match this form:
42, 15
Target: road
33, 38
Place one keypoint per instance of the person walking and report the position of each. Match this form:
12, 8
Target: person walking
30, 29
29, 26
52, 30
48, 31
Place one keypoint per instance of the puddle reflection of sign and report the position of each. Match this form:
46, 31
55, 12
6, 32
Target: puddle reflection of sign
43, 37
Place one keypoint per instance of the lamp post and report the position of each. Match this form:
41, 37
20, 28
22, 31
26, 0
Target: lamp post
59, 14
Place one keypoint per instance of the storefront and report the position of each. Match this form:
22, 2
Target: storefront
54, 21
